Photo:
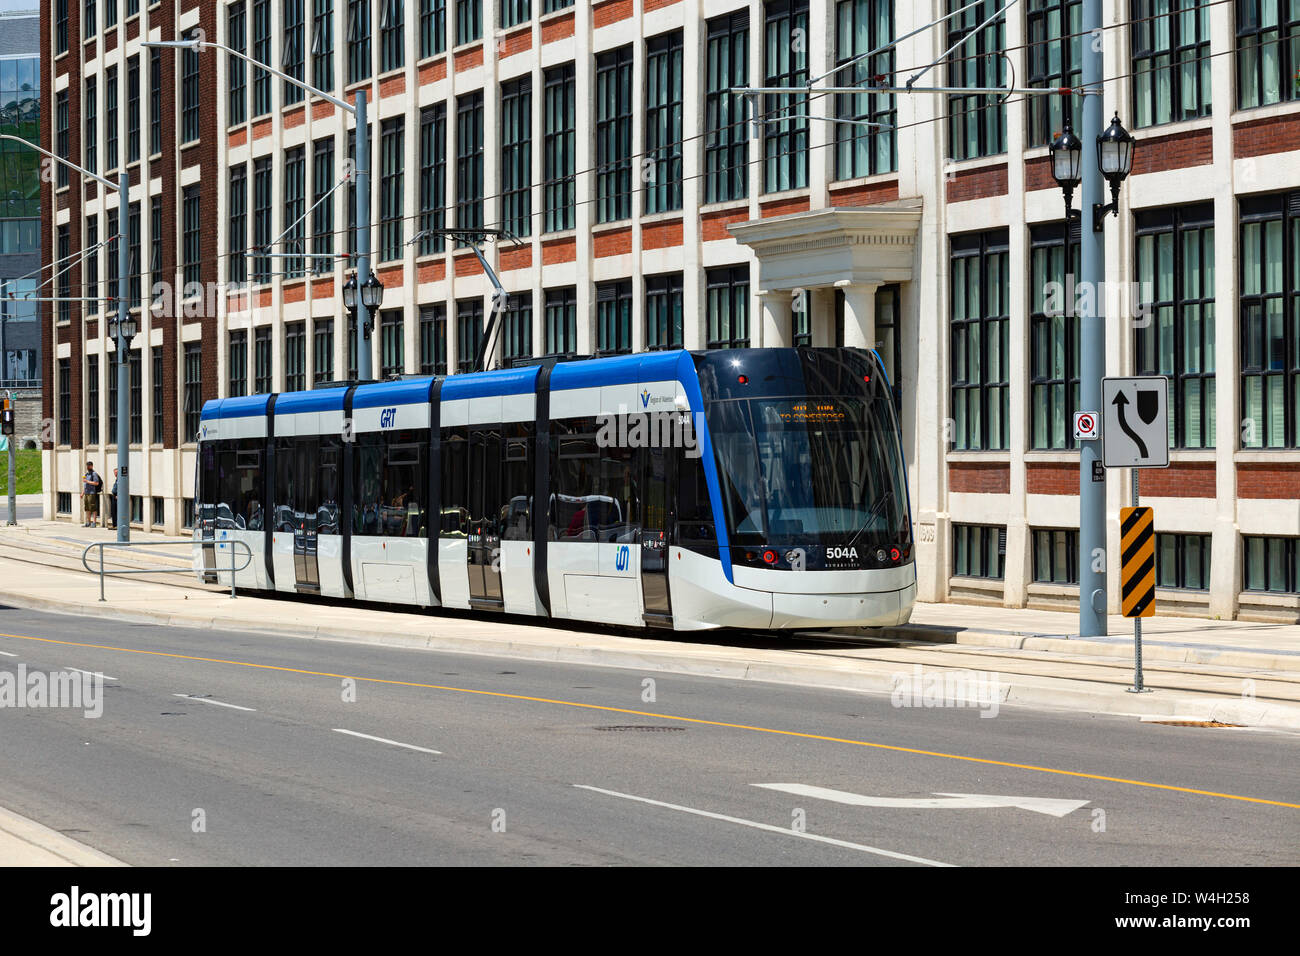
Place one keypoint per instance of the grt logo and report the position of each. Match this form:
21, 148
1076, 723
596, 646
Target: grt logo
388, 418
622, 558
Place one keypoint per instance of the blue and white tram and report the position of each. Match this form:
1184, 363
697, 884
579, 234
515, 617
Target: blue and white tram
752, 488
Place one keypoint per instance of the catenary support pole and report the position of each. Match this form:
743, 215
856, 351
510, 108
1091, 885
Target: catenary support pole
13, 479
1092, 340
123, 516
365, 370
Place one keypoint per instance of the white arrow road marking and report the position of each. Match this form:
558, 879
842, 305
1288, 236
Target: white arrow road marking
784, 831
940, 801
92, 673
385, 740
214, 703
7, 654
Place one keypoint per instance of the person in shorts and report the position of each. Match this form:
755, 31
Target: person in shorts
91, 485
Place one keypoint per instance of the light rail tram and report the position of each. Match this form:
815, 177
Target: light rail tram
749, 488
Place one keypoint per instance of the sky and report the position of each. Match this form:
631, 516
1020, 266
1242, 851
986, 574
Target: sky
8, 5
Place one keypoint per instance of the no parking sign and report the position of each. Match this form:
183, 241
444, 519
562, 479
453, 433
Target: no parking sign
1087, 426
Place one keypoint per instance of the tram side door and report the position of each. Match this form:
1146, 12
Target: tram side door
658, 482
306, 502
484, 546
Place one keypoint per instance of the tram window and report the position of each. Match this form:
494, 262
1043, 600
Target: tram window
576, 508
327, 508
389, 483
243, 484
285, 494
738, 472
403, 515
618, 482
455, 472
516, 517
695, 522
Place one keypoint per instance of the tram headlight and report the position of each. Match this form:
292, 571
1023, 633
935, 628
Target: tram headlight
880, 555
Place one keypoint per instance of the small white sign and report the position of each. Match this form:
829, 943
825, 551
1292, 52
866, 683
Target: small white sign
1087, 426
1137, 422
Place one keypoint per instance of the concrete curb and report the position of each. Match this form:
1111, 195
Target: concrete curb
1152, 648
1050, 693
24, 842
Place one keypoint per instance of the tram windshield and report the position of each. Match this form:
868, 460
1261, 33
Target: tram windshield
810, 470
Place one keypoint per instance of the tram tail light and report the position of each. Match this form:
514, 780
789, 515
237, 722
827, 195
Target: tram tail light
743, 380
895, 554
769, 557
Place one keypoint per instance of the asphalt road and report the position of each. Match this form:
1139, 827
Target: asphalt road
463, 759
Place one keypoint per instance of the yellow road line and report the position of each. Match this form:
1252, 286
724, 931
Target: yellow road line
692, 720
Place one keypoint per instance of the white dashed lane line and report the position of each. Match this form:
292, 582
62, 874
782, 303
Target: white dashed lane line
385, 740
214, 703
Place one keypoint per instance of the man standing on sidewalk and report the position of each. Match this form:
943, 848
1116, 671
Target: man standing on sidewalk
111, 514
91, 486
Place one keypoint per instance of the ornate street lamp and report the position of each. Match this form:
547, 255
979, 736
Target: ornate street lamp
1115, 160
1066, 154
372, 297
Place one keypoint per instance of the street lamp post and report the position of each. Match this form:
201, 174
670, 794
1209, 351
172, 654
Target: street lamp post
372, 297
123, 322
364, 363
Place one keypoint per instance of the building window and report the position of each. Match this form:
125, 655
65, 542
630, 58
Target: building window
155, 102
469, 332
64, 266
392, 344
92, 400
133, 238
187, 513
155, 243
1183, 561
238, 363
136, 503
92, 265
1171, 61
61, 26
1271, 565
801, 319
433, 27
88, 28
63, 503
559, 147
392, 149
433, 339
358, 40
323, 351
663, 311
352, 347
189, 95
514, 12
110, 255
1270, 320
237, 236
295, 356
193, 223
517, 156
158, 391
1056, 556
662, 163
517, 327
469, 161
977, 122
262, 219
262, 361
322, 45
65, 401
293, 235
1268, 52
1175, 271
110, 119
614, 135
469, 20
135, 400
979, 551
392, 35
726, 140
322, 212
262, 54
864, 150
980, 348
562, 321
785, 131
1053, 335
614, 318
91, 135
1055, 59
110, 373
236, 39
727, 307
133, 110
158, 512
291, 61
61, 137
433, 178
193, 390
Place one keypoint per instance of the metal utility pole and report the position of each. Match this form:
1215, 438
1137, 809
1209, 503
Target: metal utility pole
123, 517
13, 477
365, 366
1092, 340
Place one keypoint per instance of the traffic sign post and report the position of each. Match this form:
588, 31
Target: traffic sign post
1136, 435
7, 428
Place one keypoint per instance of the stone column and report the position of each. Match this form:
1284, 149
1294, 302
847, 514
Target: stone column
859, 314
777, 318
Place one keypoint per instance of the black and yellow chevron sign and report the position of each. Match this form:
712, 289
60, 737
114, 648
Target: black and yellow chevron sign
1138, 562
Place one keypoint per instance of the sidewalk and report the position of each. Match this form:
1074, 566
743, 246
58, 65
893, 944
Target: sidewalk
25, 842
1237, 673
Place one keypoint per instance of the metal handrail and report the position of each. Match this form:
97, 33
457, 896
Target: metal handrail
158, 544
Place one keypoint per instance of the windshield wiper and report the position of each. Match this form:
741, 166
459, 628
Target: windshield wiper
875, 512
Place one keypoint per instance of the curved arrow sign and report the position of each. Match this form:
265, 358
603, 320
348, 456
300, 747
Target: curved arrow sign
1135, 428
1121, 401
939, 801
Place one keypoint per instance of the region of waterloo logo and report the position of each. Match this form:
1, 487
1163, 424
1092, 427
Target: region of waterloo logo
645, 398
